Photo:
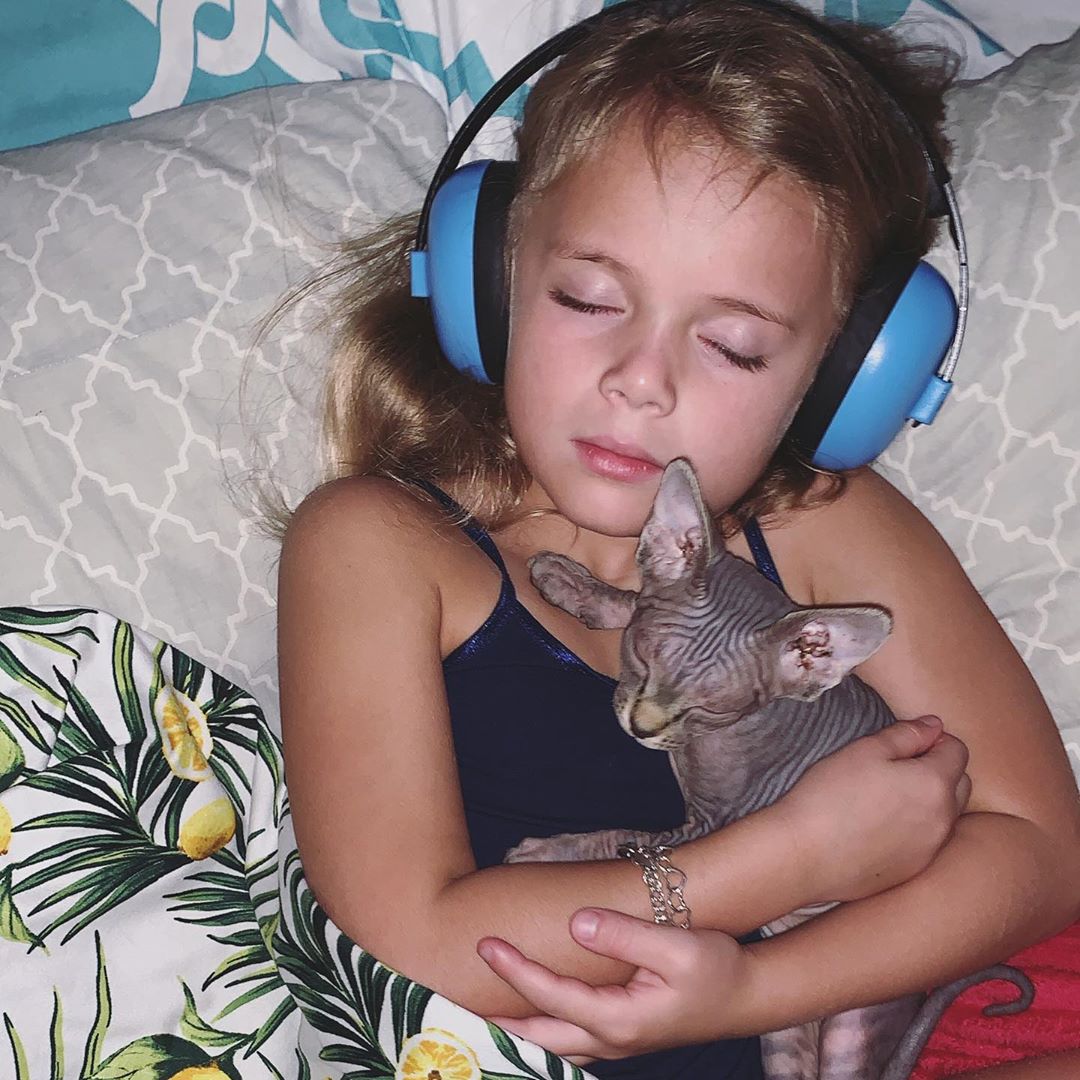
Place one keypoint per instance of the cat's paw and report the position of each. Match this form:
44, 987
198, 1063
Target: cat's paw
562, 581
570, 586
546, 849
570, 847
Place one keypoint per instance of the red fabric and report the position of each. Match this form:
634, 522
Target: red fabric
965, 1039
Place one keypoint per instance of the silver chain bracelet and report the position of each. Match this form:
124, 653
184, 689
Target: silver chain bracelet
664, 881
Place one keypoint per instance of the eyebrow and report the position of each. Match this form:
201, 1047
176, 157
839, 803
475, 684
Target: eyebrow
731, 303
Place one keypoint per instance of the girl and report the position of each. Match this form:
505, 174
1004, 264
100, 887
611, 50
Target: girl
700, 192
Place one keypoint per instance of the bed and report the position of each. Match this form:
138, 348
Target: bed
153, 914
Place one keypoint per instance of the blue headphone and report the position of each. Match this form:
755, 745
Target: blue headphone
891, 362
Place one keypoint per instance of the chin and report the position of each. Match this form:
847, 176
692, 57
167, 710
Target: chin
604, 507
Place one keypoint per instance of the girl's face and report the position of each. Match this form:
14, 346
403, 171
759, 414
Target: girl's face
655, 318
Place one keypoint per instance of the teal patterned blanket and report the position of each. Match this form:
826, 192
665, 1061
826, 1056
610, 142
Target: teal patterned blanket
154, 918
72, 67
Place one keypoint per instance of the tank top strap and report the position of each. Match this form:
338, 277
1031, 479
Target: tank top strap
763, 559
755, 538
472, 528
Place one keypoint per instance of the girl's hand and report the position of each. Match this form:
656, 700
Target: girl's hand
877, 812
686, 986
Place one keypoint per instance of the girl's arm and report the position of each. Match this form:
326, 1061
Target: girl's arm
673, 998
376, 802
1009, 876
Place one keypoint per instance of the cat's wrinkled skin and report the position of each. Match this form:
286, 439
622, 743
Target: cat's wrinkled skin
747, 691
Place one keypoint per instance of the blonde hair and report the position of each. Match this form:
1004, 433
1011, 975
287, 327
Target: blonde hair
730, 74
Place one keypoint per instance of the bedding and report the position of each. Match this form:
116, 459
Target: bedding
143, 257
137, 262
999, 473
146, 843
135, 275
71, 67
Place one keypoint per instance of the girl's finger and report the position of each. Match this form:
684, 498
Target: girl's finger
557, 996
963, 792
910, 738
659, 949
559, 1036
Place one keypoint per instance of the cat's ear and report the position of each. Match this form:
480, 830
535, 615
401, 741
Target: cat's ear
810, 650
677, 540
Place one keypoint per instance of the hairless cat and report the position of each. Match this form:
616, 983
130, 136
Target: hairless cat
746, 690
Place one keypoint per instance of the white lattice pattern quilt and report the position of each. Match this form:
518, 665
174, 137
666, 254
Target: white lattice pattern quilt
135, 264
142, 257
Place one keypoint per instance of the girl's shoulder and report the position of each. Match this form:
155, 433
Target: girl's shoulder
371, 515
870, 541
381, 537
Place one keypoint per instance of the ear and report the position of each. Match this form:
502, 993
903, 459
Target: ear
810, 650
677, 540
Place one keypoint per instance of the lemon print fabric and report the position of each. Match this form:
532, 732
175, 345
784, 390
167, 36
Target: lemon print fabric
185, 735
208, 829
434, 1054
155, 920
12, 758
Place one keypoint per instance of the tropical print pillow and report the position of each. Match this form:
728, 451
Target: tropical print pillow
154, 918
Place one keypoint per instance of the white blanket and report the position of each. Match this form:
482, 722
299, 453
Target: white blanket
154, 917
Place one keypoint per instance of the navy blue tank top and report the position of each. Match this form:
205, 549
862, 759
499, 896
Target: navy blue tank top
539, 752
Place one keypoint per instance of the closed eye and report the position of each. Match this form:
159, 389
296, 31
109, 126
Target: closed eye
746, 363
740, 360
706, 716
574, 304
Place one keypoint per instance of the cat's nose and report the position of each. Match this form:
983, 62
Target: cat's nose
647, 719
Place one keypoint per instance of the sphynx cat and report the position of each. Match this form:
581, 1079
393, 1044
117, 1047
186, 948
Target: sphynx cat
747, 691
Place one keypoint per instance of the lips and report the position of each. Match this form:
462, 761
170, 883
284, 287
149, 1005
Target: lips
616, 460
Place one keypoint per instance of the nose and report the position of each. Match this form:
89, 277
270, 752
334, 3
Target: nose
641, 376
647, 719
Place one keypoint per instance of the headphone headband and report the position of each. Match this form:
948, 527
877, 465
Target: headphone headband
891, 362
562, 42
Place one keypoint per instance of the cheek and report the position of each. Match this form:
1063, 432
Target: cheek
735, 440
530, 395
524, 354
751, 410
517, 395
526, 358
776, 405
543, 373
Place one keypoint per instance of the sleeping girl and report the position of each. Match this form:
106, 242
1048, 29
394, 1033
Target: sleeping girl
702, 191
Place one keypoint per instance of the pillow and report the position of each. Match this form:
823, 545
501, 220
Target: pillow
143, 257
999, 471
69, 68
138, 266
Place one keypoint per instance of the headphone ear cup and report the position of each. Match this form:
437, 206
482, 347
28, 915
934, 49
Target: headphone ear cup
463, 271
491, 278
882, 364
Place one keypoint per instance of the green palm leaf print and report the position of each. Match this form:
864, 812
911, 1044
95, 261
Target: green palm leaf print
47, 631
20, 720
342, 990
221, 898
94, 1039
12, 758
126, 803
